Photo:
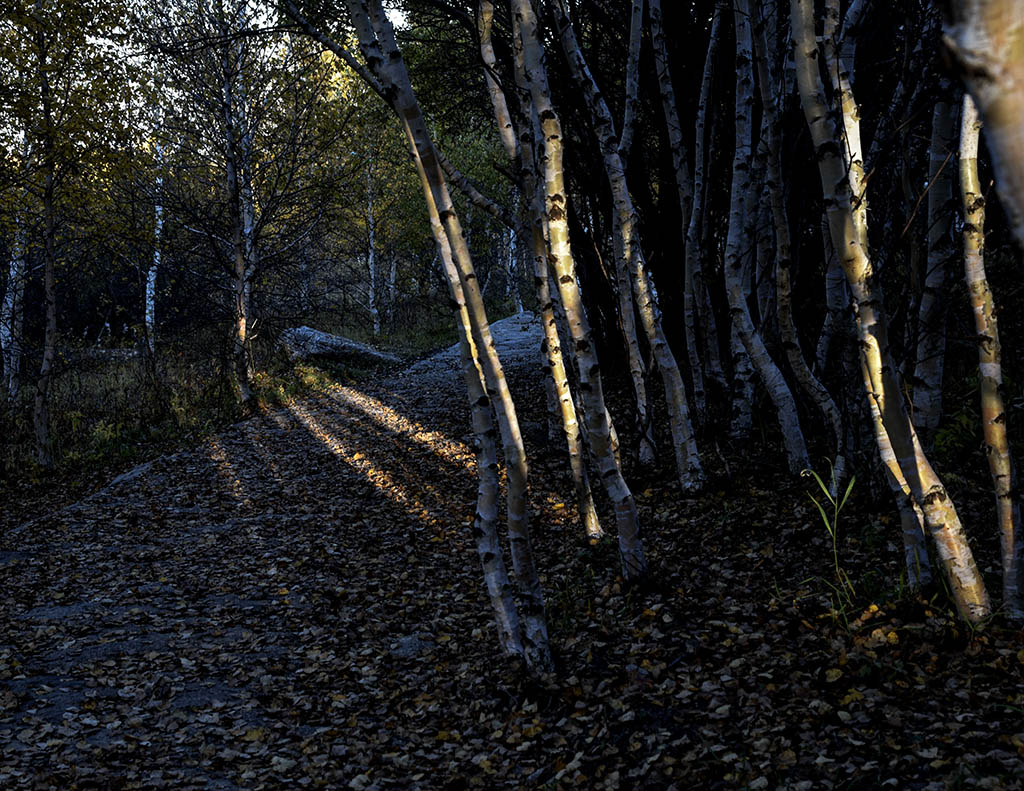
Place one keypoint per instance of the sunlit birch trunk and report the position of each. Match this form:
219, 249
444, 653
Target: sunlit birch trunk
630, 250
380, 51
521, 152
737, 244
842, 206
985, 37
993, 411
812, 388
631, 549
931, 315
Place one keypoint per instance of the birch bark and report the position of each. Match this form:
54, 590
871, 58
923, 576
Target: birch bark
523, 157
630, 250
845, 222
380, 51
985, 37
631, 549
812, 388
738, 241
993, 410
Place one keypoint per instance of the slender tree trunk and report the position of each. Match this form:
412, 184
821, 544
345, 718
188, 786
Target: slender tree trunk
380, 51
736, 244
154, 265
931, 316
842, 205
631, 549
690, 195
371, 248
812, 388
993, 411
561, 404
688, 465
985, 37
12, 312
240, 217
632, 98
485, 522
41, 408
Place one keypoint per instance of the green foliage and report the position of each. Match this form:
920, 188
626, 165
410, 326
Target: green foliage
842, 587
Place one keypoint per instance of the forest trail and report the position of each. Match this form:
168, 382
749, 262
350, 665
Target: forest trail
297, 603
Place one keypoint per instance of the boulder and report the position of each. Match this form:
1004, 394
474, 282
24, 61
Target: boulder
302, 343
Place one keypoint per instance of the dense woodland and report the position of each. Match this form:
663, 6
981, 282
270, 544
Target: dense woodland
767, 414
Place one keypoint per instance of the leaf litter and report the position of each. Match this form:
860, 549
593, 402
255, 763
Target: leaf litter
297, 603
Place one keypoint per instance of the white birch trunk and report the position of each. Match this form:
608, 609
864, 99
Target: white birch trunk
630, 250
562, 413
380, 51
736, 245
985, 37
842, 205
631, 549
812, 388
993, 410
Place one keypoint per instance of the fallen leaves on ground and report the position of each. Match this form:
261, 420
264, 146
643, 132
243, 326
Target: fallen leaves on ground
298, 604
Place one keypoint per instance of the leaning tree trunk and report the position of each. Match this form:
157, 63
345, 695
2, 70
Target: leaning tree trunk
688, 465
985, 37
847, 233
522, 155
380, 51
631, 549
735, 249
993, 411
931, 314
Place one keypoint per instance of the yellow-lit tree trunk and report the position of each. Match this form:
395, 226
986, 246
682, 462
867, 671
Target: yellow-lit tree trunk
985, 37
847, 225
521, 152
631, 549
993, 411
380, 50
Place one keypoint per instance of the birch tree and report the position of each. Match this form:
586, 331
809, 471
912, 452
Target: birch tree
630, 252
847, 224
599, 426
739, 241
993, 410
984, 37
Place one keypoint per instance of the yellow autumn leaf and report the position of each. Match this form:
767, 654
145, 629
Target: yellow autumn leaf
833, 673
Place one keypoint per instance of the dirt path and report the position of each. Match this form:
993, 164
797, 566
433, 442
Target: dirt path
297, 603
215, 616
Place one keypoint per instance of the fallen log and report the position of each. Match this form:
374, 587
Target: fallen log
302, 343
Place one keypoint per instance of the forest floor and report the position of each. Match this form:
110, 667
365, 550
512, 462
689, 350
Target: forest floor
297, 603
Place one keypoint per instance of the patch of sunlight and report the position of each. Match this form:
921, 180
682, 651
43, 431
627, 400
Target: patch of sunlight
381, 479
453, 451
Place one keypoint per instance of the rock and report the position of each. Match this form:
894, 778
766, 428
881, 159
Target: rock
301, 343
